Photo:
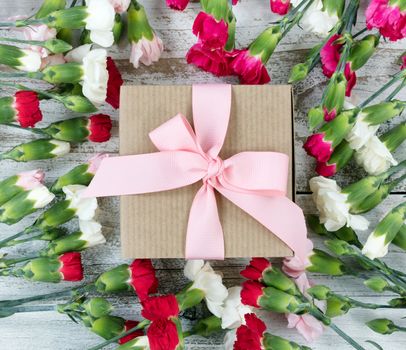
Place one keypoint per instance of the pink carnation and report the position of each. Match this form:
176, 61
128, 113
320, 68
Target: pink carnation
249, 69
281, 7
215, 61
295, 266
210, 32
319, 148
30, 179
308, 326
146, 51
388, 17
179, 5
120, 6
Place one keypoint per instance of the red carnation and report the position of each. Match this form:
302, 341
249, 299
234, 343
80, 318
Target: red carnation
212, 33
325, 169
27, 108
143, 278
330, 56
100, 128
179, 5
281, 7
250, 69
163, 335
215, 61
255, 269
249, 336
319, 148
114, 84
161, 307
71, 266
251, 293
129, 324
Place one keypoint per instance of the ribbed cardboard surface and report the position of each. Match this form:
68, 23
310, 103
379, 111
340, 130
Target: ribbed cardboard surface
154, 225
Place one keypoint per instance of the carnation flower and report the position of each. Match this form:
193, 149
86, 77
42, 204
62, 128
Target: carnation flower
114, 84
375, 157
160, 307
22, 59
179, 5
389, 16
210, 32
143, 278
281, 7
100, 21
234, 310
215, 61
23, 108
210, 283
250, 336
295, 266
333, 206
71, 266
100, 128
120, 6
84, 208
250, 69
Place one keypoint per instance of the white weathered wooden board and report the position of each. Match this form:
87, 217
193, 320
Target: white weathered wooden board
48, 330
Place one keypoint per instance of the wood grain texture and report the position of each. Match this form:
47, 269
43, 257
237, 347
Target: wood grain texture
51, 331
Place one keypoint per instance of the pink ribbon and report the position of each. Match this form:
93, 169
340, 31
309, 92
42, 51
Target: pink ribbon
254, 181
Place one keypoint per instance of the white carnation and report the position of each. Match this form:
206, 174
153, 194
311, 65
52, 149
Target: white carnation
234, 310
333, 207
208, 281
41, 196
61, 148
374, 157
91, 233
95, 76
30, 61
84, 208
100, 21
375, 246
360, 133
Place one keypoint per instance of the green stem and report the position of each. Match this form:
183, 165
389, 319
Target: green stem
319, 315
397, 90
394, 79
141, 325
30, 308
34, 130
15, 242
401, 329
27, 230
296, 18
22, 41
73, 4
346, 337
70, 292
4, 263
362, 31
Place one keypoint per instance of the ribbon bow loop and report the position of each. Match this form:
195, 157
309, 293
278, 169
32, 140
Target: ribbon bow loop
254, 181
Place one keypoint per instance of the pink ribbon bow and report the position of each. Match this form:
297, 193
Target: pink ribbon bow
254, 181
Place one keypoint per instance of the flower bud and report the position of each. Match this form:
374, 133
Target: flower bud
67, 267
376, 284
97, 307
337, 306
70, 72
114, 280
400, 238
379, 240
315, 116
394, 137
49, 6
37, 150
298, 73
322, 262
382, 326
274, 277
21, 59
362, 50
80, 175
333, 100
52, 234
117, 28
88, 236
338, 247
139, 343
19, 183
57, 46
24, 204
108, 326
278, 301
273, 342
319, 292
264, 45
398, 302
77, 103
207, 326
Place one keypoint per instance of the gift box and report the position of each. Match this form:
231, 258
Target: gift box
154, 225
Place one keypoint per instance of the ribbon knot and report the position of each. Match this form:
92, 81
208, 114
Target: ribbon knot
215, 169
254, 181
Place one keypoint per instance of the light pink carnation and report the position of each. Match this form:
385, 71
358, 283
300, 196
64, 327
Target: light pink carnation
295, 266
146, 51
29, 180
308, 326
120, 6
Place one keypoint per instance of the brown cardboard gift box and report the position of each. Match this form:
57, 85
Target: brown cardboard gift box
154, 225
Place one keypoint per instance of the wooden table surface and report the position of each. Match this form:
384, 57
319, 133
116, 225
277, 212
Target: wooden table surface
52, 331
